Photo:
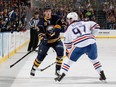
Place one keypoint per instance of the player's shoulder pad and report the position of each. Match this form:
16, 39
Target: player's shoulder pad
41, 21
56, 17
92, 22
68, 27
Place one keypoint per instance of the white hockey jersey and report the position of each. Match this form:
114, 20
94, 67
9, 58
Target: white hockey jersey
80, 34
33, 22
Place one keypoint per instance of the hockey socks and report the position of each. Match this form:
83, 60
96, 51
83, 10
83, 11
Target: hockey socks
66, 66
97, 65
34, 67
58, 62
64, 69
37, 63
32, 73
58, 65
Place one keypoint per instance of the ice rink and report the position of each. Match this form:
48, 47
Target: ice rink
81, 73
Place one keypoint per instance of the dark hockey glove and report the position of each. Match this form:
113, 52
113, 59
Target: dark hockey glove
44, 40
40, 36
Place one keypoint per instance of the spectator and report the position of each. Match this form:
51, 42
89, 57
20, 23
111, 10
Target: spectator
1, 25
23, 17
111, 21
11, 16
5, 18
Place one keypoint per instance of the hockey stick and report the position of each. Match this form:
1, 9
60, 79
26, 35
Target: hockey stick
22, 58
46, 67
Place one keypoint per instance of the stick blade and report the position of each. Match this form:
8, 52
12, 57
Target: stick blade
11, 66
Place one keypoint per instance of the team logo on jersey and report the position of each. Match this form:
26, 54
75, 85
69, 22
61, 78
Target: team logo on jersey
50, 29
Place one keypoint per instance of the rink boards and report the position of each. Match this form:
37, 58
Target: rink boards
11, 42
103, 34
81, 74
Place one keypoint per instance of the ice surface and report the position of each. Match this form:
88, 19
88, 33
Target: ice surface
81, 73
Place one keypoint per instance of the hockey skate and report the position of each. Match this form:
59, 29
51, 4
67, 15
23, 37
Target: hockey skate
57, 73
32, 73
60, 77
102, 77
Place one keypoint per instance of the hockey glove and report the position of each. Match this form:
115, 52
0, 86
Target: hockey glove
44, 41
40, 36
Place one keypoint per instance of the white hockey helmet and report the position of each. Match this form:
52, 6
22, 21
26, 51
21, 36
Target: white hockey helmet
73, 16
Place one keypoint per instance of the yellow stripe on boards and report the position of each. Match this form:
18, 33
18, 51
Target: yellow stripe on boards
3, 59
97, 37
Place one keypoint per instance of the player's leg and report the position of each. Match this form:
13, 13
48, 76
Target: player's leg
31, 40
64, 69
58, 47
35, 40
74, 55
92, 54
42, 52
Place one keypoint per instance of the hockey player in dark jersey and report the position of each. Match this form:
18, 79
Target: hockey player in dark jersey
49, 31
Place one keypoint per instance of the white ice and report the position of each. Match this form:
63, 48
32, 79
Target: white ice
81, 73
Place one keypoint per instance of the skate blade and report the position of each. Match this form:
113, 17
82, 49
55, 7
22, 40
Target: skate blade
56, 79
103, 81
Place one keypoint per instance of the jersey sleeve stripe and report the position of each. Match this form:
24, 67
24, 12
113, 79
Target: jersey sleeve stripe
83, 40
68, 43
83, 37
96, 25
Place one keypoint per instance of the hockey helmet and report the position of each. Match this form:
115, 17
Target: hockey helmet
73, 16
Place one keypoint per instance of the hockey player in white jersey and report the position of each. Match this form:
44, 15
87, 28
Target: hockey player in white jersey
80, 39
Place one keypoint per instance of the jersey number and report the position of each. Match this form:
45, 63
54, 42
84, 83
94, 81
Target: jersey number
78, 30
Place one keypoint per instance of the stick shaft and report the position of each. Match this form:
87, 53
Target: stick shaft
20, 59
47, 67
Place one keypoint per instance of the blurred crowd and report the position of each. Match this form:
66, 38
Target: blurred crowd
102, 12
13, 15
110, 12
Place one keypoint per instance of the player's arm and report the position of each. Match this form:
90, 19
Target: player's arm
40, 30
68, 41
94, 27
60, 25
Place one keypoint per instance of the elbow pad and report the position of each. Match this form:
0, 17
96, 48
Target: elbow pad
95, 31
